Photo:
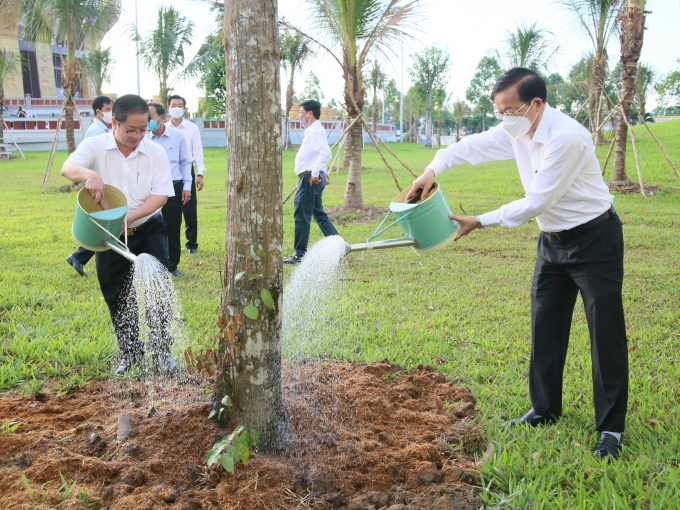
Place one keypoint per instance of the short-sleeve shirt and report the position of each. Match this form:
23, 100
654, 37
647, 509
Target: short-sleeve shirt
143, 173
96, 128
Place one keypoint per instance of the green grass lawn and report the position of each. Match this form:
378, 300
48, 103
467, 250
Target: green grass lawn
468, 304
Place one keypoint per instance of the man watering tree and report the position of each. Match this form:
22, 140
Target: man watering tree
580, 247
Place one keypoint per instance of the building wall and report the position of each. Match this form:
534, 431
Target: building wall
9, 26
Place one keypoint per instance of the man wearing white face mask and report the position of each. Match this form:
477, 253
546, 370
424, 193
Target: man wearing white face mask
580, 248
102, 106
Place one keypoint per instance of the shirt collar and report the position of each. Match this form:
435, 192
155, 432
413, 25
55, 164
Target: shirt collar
101, 124
111, 144
541, 134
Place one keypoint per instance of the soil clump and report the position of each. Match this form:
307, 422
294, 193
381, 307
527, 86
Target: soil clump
360, 437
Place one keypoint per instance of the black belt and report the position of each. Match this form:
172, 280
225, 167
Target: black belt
581, 229
177, 182
140, 228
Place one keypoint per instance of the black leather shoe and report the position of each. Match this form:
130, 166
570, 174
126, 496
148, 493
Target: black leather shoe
192, 251
295, 259
608, 448
531, 418
164, 364
123, 367
175, 273
76, 265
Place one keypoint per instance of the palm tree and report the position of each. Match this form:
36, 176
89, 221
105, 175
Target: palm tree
294, 50
645, 78
162, 50
10, 63
598, 20
376, 80
528, 46
355, 29
460, 110
70, 23
632, 33
98, 64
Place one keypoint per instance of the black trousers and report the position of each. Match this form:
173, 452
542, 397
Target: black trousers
591, 264
115, 280
191, 215
172, 214
309, 204
82, 255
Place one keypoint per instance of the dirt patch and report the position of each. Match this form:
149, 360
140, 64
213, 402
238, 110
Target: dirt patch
634, 189
363, 215
360, 437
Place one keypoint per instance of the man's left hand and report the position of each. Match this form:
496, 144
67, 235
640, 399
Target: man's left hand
465, 225
130, 219
186, 194
199, 183
313, 181
328, 178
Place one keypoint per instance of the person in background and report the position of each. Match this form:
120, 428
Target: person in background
126, 159
102, 106
310, 167
176, 148
22, 114
178, 106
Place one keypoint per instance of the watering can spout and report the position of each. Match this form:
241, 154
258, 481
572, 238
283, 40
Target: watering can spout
381, 245
115, 245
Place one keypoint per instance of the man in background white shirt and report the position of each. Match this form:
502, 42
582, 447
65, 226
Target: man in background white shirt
580, 247
178, 106
310, 167
139, 168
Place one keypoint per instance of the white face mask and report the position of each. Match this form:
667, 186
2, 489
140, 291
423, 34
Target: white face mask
106, 117
176, 112
305, 123
518, 126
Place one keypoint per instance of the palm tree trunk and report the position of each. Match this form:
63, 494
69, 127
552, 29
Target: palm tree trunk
632, 32
252, 375
69, 84
353, 194
289, 105
599, 66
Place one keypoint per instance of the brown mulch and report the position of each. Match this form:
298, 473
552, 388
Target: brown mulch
634, 189
360, 437
363, 215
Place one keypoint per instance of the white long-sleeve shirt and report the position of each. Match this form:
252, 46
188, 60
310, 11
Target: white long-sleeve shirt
314, 153
560, 173
193, 138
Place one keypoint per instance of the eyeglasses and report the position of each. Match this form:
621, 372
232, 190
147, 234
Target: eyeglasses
137, 132
500, 115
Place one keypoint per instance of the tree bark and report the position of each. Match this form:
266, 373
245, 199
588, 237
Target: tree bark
428, 120
2, 124
252, 374
353, 193
289, 105
599, 66
632, 32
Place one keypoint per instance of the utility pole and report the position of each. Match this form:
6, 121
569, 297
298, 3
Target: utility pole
137, 44
401, 104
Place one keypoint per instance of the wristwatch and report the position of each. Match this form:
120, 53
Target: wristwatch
479, 223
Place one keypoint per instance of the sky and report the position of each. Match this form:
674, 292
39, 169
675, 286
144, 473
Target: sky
470, 30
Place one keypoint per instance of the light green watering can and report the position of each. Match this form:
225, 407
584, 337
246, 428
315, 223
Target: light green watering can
98, 229
427, 225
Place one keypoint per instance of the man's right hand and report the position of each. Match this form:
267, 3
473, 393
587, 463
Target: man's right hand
425, 181
95, 186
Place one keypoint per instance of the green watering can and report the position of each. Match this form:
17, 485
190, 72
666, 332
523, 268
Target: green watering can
98, 229
427, 225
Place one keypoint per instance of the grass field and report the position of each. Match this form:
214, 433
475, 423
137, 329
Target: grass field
468, 304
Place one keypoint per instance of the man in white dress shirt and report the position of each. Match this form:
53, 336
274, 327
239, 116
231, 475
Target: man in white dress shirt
580, 247
175, 146
139, 168
178, 106
310, 167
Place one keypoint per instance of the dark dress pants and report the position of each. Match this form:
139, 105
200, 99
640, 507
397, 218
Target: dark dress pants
172, 214
591, 264
115, 280
82, 255
190, 214
308, 205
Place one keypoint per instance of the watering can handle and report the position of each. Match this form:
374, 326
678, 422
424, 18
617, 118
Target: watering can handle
378, 231
117, 240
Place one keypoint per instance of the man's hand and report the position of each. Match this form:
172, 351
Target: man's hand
425, 181
186, 194
313, 181
328, 178
130, 219
95, 186
465, 225
199, 183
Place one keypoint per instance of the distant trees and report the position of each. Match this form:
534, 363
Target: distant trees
98, 64
312, 88
668, 89
294, 51
479, 92
528, 46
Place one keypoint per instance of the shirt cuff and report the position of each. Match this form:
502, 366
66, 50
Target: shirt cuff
439, 167
187, 186
491, 219
316, 172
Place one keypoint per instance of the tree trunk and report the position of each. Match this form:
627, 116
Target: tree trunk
641, 110
353, 195
483, 123
252, 375
289, 105
428, 120
375, 111
2, 124
632, 32
413, 133
599, 66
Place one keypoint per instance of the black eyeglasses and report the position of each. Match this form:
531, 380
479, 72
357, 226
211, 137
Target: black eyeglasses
133, 131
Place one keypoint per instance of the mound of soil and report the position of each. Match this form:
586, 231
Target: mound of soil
634, 189
363, 215
360, 437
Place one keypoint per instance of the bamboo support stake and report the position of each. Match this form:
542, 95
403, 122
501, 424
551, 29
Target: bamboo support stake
12, 137
663, 150
374, 137
606, 160
50, 160
637, 157
370, 130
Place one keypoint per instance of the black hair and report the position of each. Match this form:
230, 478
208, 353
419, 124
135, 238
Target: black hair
310, 105
99, 102
184, 101
129, 104
159, 108
528, 82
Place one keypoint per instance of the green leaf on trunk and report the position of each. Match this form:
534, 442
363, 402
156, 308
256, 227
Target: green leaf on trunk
260, 253
228, 439
212, 414
253, 276
226, 401
214, 453
227, 462
267, 299
243, 451
251, 312
254, 436
236, 278
233, 452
